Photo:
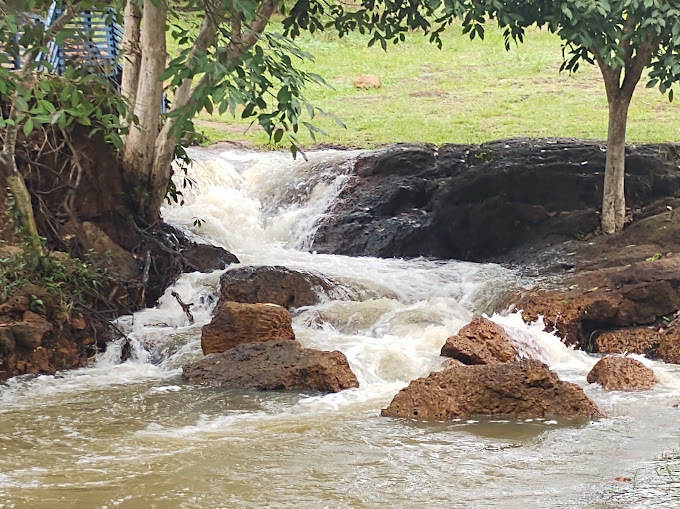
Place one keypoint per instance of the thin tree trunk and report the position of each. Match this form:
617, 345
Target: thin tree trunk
131, 51
164, 149
22, 199
138, 151
614, 199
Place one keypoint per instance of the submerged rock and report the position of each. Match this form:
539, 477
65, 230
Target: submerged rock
480, 342
622, 374
285, 287
274, 365
234, 323
522, 389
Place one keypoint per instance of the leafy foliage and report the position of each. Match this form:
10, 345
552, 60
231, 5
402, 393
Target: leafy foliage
80, 96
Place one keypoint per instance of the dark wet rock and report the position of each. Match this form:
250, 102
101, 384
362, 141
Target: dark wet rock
522, 389
276, 285
274, 365
480, 342
481, 202
622, 374
207, 258
234, 323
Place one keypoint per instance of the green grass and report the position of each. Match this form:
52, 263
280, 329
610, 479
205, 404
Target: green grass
469, 92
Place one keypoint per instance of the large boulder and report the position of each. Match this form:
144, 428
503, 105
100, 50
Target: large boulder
275, 285
234, 323
480, 342
274, 365
522, 389
622, 374
478, 202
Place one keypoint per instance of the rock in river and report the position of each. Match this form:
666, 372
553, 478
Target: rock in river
522, 389
272, 284
274, 365
234, 323
480, 342
622, 374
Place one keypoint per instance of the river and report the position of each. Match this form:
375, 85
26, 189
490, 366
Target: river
133, 435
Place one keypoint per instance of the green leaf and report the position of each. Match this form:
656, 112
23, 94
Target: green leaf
28, 127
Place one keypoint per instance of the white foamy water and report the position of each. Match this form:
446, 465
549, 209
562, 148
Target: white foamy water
134, 435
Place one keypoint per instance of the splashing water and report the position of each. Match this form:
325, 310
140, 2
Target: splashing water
134, 435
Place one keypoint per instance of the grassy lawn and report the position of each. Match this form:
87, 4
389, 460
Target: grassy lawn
469, 92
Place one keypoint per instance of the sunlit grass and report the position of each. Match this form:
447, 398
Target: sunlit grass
469, 92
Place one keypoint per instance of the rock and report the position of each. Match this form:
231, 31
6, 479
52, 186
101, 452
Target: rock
607, 298
641, 340
275, 285
366, 81
17, 303
274, 365
622, 374
7, 342
521, 389
78, 322
112, 255
474, 203
29, 332
207, 258
480, 342
235, 323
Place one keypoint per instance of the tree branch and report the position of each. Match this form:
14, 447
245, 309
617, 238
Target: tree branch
637, 64
612, 77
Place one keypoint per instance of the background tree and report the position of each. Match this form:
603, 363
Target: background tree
228, 62
623, 37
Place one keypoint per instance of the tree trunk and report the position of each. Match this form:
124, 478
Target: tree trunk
22, 199
164, 148
138, 151
614, 200
131, 52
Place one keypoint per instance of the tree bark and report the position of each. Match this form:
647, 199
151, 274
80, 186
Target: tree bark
22, 199
131, 51
164, 147
138, 151
614, 199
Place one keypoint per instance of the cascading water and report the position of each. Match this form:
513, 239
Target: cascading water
133, 435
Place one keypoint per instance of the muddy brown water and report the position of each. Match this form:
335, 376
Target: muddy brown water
135, 436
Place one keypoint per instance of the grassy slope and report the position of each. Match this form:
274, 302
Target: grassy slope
469, 92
